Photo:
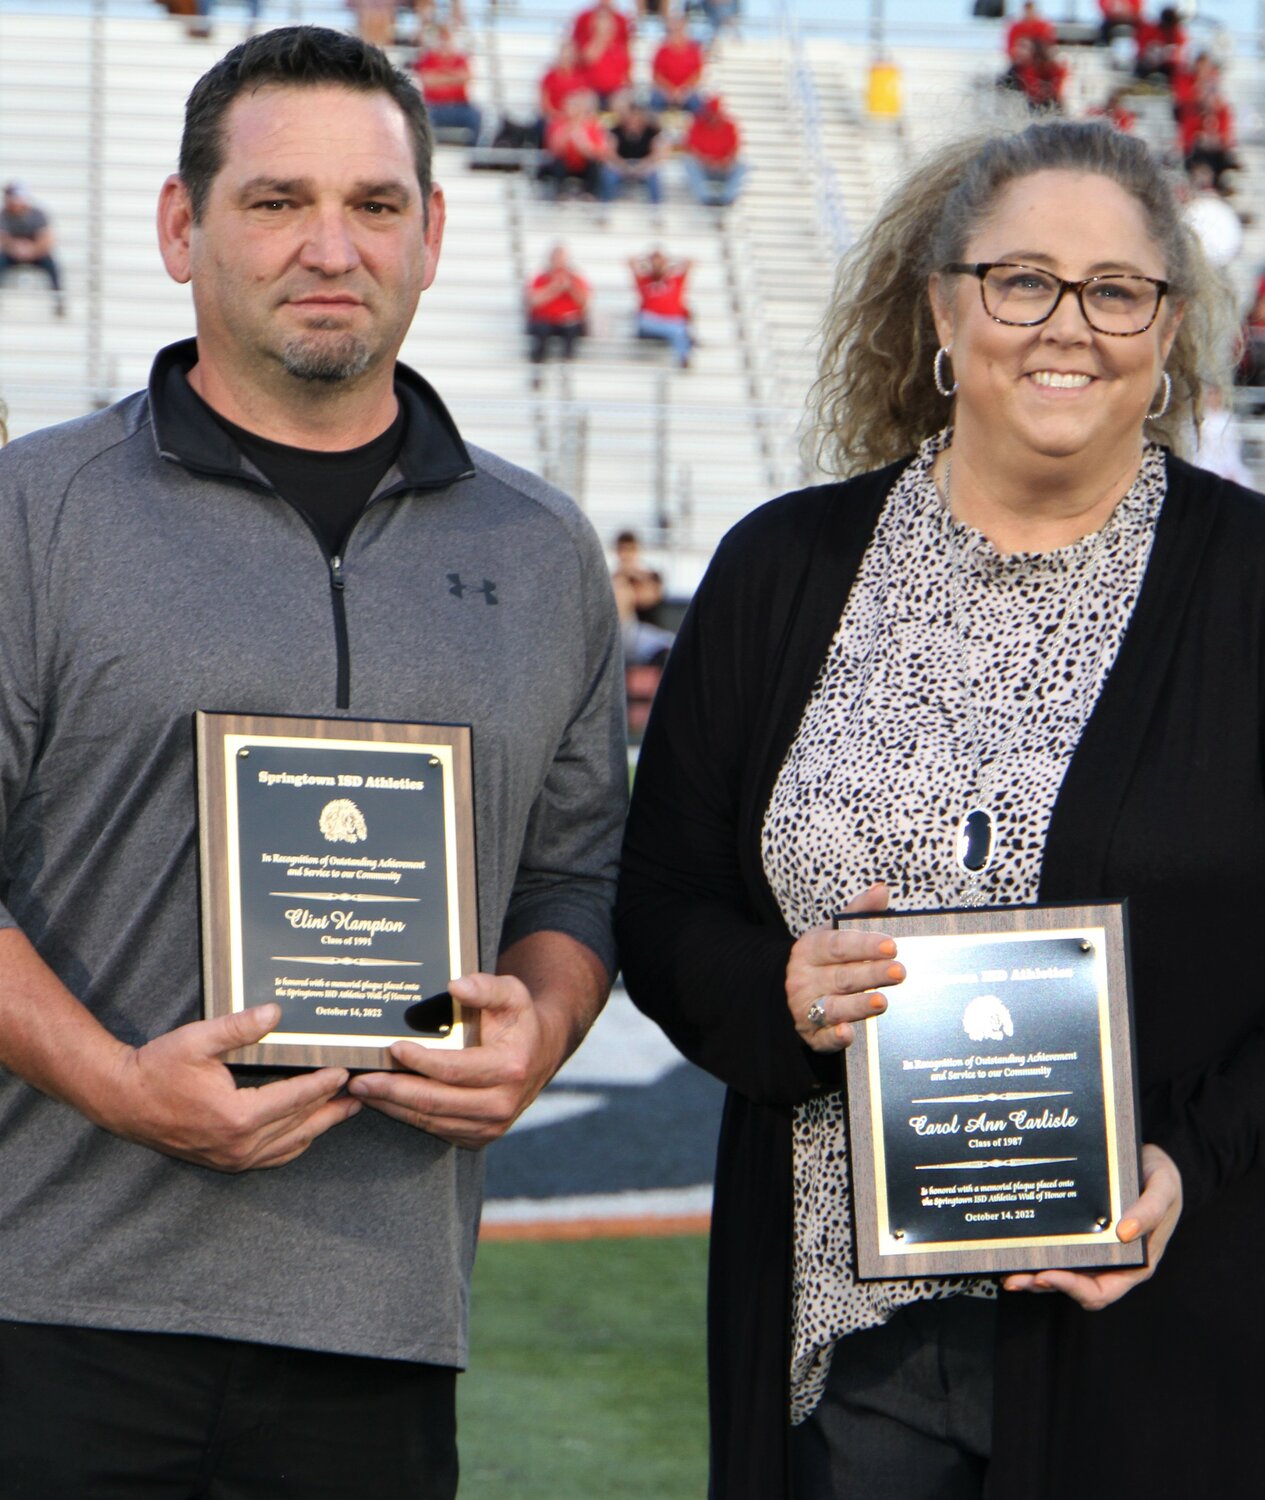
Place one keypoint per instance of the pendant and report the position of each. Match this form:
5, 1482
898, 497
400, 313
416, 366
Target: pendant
975, 840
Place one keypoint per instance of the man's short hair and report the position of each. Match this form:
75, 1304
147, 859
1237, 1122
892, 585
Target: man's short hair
293, 57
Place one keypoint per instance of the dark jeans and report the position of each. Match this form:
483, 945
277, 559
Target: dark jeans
540, 333
91, 1414
46, 263
907, 1412
555, 174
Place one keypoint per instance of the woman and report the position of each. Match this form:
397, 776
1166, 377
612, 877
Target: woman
1045, 613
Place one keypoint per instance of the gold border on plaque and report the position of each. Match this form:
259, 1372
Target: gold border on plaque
220, 739
879, 1253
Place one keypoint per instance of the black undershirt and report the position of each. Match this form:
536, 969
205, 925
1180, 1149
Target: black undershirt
329, 490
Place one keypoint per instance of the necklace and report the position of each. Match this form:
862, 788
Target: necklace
975, 845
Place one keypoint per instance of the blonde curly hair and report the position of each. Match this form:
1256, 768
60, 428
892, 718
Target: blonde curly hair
875, 400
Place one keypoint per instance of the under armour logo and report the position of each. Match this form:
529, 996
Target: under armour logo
459, 590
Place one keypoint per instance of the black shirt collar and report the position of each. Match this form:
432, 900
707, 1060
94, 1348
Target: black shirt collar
433, 454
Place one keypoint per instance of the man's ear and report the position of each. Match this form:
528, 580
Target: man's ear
434, 234
175, 228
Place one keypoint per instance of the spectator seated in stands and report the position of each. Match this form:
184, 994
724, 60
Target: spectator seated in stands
638, 594
563, 78
640, 147
1031, 26
710, 155
443, 74
1161, 47
576, 145
677, 69
662, 312
601, 35
1119, 17
1038, 74
26, 239
1205, 134
557, 307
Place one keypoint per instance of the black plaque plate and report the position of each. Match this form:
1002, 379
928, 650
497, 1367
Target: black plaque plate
991, 1108
337, 879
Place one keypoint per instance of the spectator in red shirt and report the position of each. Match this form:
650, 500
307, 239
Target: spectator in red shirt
710, 156
557, 306
600, 15
1205, 134
601, 37
677, 69
443, 73
563, 78
1030, 27
662, 312
1038, 74
1161, 46
1119, 15
576, 145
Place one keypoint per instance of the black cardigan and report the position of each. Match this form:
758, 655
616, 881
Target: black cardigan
1164, 802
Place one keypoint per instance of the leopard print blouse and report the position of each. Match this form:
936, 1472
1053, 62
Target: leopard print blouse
883, 767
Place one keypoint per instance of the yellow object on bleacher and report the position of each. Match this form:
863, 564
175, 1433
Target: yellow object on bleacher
883, 97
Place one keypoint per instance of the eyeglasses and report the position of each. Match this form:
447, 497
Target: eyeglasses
1023, 296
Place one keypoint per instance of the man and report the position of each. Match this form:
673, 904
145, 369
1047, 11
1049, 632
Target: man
443, 73
639, 150
557, 307
286, 522
576, 147
711, 155
677, 69
27, 240
661, 309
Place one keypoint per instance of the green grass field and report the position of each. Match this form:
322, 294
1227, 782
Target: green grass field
587, 1372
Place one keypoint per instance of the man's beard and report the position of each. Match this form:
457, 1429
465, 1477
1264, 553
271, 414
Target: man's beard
324, 358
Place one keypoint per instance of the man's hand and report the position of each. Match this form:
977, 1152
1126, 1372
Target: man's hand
176, 1095
531, 1018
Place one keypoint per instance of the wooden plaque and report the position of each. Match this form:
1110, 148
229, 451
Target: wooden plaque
337, 868
992, 1109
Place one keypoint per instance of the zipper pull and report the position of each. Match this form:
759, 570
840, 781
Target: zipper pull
336, 580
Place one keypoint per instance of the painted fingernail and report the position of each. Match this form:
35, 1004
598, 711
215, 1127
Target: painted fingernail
896, 972
1127, 1230
887, 948
877, 1002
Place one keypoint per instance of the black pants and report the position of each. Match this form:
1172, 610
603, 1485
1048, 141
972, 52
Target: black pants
907, 1412
540, 333
46, 263
90, 1414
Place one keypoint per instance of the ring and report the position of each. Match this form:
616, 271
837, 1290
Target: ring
816, 1015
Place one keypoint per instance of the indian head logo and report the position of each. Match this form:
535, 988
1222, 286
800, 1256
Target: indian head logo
342, 822
986, 1019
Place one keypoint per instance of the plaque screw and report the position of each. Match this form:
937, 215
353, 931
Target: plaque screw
1086, 946
1101, 1223
434, 760
243, 754
898, 1234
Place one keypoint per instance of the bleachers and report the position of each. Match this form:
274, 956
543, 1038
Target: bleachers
90, 116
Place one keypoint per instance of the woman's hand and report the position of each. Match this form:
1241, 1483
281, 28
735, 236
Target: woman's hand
1155, 1213
841, 968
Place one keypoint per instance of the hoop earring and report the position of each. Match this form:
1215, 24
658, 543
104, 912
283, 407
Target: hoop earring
1152, 416
937, 370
